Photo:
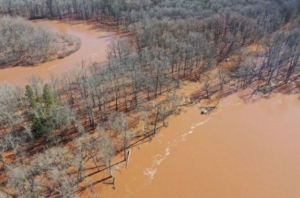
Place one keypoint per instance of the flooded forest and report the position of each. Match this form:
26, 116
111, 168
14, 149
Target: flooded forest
149, 98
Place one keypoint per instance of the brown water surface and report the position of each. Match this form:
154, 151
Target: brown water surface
93, 48
239, 150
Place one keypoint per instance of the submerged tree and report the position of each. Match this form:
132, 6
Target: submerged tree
118, 122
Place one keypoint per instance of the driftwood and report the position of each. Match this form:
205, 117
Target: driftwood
208, 109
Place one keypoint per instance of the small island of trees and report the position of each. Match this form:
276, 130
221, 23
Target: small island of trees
24, 43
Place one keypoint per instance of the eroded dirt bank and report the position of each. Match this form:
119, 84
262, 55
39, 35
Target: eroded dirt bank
239, 150
93, 48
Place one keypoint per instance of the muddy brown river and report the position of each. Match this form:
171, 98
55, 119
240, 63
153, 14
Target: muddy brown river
241, 150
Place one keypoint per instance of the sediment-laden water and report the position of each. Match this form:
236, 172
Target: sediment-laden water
240, 150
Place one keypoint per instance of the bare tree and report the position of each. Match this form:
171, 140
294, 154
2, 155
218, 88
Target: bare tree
118, 122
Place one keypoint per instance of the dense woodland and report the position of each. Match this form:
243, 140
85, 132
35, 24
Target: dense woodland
53, 132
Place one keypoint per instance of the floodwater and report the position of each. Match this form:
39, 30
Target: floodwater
94, 42
239, 150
